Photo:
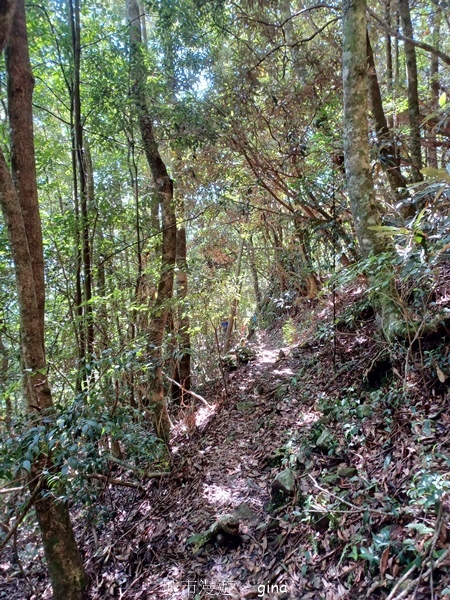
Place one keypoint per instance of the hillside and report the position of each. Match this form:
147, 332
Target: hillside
331, 467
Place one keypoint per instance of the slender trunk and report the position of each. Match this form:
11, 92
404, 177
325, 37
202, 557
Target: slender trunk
387, 153
235, 301
4, 365
74, 8
396, 64
63, 560
356, 148
389, 63
434, 87
79, 326
413, 94
20, 84
254, 272
182, 371
309, 276
164, 190
389, 66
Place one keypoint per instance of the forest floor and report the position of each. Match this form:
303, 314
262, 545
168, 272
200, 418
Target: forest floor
367, 461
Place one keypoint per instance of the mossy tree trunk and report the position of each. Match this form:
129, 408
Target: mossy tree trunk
19, 203
164, 190
357, 161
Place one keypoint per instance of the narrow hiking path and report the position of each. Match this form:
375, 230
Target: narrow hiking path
228, 466
325, 410
222, 468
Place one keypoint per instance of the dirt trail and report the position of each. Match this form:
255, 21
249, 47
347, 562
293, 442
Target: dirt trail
221, 469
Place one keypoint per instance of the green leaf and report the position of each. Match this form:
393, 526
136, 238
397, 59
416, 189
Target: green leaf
367, 554
26, 465
442, 99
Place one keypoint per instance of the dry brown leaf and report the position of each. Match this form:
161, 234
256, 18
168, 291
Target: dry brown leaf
441, 376
384, 561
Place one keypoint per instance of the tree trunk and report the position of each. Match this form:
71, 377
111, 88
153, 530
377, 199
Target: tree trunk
254, 272
434, 87
74, 8
164, 190
182, 371
356, 151
235, 301
413, 94
387, 153
389, 66
20, 86
63, 559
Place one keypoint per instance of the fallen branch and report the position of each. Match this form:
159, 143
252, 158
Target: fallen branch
429, 572
408, 588
113, 481
187, 391
353, 506
11, 490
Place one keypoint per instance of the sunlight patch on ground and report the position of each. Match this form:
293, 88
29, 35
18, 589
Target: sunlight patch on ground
204, 413
308, 417
217, 494
286, 371
268, 356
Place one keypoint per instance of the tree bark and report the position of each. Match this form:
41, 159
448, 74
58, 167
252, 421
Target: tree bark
413, 94
19, 203
75, 28
182, 371
20, 84
356, 148
356, 151
434, 87
387, 153
164, 190
235, 301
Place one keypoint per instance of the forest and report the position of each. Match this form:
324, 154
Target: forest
225, 299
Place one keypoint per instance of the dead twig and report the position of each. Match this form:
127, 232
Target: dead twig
11, 490
187, 391
413, 583
347, 503
422, 575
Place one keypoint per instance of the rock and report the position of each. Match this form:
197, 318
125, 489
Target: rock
227, 523
243, 511
226, 527
347, 472
284, 482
